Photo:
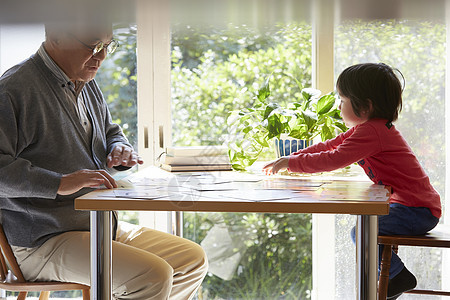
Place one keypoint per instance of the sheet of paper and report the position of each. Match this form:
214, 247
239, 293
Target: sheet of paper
145, 181
291, 184
124, 184
139, 193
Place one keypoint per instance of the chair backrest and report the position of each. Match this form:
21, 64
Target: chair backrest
6, 252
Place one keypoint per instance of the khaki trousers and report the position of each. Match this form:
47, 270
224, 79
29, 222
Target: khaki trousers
146, 263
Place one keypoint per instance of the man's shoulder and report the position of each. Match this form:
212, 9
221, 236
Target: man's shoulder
20, 74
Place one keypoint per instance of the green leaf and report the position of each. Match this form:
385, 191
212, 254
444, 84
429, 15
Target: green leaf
310, 118
326, 133
335, 114
247, 129
261, 139
298, 133
309, 93
269, 109
264, 91
274, 126
238, 167
341, 126
325, 103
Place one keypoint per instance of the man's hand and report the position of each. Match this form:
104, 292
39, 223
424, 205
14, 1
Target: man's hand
122, 155
276, 166
73, 182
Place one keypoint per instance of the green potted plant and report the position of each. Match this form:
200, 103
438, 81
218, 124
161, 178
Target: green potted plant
254, 129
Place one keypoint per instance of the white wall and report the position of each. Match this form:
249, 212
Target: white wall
18, 42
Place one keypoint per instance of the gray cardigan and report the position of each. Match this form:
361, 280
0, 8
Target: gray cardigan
41, 139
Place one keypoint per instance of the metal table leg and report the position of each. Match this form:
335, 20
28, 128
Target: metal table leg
101, 242
367, 257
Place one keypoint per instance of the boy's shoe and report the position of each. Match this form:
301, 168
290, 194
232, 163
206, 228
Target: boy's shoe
403, 282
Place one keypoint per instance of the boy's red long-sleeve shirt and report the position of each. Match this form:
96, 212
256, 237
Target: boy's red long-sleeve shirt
384, 155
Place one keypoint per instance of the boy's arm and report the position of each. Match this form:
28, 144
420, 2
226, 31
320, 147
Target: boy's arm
327, 145
362, 143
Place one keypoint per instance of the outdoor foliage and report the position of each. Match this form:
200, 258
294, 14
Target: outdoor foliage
117, 80
227, 64
276, 250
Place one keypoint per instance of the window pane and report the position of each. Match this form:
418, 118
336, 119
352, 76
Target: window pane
218, 70
117, 80
417, 48
218, 64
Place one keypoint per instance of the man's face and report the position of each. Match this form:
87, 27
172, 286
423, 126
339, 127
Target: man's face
76, 55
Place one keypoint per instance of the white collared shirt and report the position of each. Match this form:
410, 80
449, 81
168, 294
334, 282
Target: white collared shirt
76, 98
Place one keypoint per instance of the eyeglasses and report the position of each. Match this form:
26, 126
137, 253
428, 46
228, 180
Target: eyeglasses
110, 47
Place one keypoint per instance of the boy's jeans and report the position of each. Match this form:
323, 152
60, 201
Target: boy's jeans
402, 220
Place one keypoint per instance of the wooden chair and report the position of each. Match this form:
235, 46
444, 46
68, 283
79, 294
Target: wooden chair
11, 279
438, 237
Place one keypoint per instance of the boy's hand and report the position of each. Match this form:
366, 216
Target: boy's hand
276, 166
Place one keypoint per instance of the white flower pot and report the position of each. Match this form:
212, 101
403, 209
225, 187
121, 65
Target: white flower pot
287, 145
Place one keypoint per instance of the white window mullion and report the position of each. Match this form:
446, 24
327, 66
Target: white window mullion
145, 82
153, 79
323, 229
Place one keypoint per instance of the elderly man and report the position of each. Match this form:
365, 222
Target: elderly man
56, 141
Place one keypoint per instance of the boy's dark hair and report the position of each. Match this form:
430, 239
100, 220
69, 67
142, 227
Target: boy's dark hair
372, 84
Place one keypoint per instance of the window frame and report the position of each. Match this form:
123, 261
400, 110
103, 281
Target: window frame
323, 225
153, 94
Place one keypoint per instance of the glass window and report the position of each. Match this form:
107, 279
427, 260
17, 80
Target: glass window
221, 56
118, 82
412, 39
218, 66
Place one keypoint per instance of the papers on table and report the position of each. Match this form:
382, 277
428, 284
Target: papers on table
139, 193
243, 187
124, 184
292, 184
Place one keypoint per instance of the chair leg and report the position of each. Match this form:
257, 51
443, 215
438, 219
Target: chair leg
384, 273
22, 295
86, 294
44, 295
395, 249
